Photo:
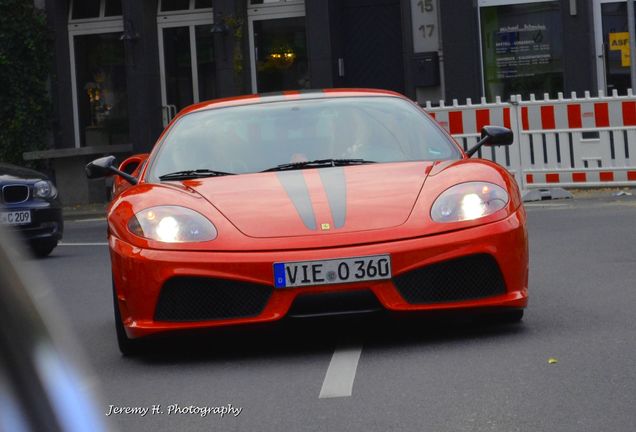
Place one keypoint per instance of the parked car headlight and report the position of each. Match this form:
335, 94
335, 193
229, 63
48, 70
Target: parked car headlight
468, 201
44, 189
172, 224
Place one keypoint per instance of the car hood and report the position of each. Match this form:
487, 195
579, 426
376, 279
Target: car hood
10, 172
317, 201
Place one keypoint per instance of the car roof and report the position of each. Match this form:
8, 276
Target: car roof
259, 98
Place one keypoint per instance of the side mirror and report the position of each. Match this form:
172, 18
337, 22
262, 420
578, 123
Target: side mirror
105, 166
492, 136
100, 167
497, 135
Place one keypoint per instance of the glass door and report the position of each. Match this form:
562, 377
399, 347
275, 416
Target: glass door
278, 48
98, 73
100, 77
616, 47
280, 52
187, 67
612, 45
521, 47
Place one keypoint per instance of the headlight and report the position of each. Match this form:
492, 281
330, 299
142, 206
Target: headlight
172, 224
468, 201
44, 189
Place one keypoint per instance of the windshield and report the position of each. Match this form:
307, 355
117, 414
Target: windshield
258, 137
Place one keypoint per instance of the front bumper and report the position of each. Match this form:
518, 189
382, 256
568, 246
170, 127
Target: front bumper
47, 223
140, 274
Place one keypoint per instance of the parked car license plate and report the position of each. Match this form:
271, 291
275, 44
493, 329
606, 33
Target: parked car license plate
333, 271
19, 217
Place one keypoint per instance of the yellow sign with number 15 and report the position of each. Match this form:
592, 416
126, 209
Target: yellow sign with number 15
620, 42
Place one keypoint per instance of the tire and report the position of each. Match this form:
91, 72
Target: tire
509, 317
126, 345
513, 316
42, 248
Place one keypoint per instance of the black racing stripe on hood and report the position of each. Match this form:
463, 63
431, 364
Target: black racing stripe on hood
335, 184
294, 184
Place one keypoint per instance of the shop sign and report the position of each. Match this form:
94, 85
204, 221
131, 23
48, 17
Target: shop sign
520, 49
620, 42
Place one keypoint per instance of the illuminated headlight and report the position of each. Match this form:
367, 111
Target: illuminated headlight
172, 224
468, 201
44, 189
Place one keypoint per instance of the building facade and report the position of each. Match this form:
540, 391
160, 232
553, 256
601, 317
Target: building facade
124, 68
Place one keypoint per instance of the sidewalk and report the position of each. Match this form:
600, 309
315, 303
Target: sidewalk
623, 192
85, 211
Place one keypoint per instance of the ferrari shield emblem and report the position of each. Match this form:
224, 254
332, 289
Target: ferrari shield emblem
325, 227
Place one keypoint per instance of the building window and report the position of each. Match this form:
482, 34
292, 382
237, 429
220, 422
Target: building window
101, 88
94, 9
615, 43
85, 9
272, 2
522, 48
278, 45
98, 74
281, 54
186, 54
112, 8
181, 6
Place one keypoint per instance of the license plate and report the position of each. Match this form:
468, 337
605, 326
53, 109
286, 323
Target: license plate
20, 217
333, 271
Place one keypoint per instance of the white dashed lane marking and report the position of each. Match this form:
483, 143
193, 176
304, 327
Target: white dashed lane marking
101, 219
341, 372
84, 244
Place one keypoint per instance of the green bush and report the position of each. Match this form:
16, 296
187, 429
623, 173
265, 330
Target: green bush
24, 69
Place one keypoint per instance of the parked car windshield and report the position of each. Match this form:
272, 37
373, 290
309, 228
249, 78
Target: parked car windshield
252, 138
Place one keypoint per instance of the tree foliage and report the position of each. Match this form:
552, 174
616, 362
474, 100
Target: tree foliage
24, 70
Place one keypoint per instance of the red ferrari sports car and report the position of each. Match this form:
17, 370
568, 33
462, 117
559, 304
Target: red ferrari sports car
253, 208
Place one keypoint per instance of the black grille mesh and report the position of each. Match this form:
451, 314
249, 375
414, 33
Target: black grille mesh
334, 303
201, 299
469, 277
15, 193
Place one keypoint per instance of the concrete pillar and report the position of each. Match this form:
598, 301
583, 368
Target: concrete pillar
142, 73
319, 43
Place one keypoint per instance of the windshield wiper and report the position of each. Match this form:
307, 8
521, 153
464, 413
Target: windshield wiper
318, 163
191, 174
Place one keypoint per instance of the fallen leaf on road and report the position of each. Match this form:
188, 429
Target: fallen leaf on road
552, 360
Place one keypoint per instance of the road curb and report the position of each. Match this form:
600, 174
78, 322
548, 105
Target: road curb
88, 211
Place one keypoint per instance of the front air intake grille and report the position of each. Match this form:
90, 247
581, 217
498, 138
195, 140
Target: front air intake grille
202, 299
15, 193
466, 278
334, 303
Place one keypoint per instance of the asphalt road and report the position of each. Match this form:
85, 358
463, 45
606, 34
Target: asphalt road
412, 374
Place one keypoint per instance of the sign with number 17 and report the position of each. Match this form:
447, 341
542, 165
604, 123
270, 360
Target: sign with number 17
424, 16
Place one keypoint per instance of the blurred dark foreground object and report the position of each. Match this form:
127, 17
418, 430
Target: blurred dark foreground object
42, 386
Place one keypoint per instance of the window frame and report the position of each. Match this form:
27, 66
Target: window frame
191, 10
100, 18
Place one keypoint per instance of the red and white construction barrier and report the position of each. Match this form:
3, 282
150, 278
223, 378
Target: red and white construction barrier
576, 142
590, 177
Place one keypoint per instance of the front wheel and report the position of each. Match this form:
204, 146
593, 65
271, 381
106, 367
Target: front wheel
513, 316
506, 317
42, 248
126, 345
